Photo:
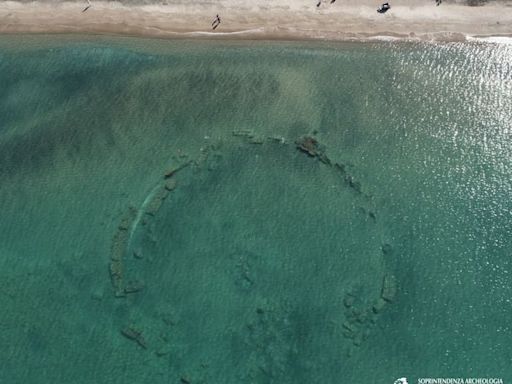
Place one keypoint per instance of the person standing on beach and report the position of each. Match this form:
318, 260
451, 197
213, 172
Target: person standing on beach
216, 22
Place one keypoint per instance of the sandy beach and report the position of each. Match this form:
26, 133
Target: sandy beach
262, 19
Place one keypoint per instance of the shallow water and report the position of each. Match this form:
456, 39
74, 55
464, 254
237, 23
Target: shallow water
262, 264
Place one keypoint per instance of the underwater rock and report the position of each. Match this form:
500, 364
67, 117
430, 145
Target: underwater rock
278, 139
116, 276
243, 133
170, 184
308, 145
134, 287
170, 171
348, 301
128, 218
117, 250
355, 312
349, 326
389, 288
175, 168
156, 202
340, 167
118, 245
379, 305
313, 148
355, 185
134, 334
257, 140
162, 352
169, 319
362, 317
358, 340
387, 249
204, 154
137, 253
350, 333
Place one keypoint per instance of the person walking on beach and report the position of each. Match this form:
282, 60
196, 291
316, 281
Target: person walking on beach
88, 6
216, 22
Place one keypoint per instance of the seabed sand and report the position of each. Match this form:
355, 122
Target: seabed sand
262, 19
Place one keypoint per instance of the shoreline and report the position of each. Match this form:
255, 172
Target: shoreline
243, 20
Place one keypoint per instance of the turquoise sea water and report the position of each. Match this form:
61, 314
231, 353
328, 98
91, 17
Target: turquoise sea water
387, 254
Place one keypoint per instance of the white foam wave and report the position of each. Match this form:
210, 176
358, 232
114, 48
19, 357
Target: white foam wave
492, 39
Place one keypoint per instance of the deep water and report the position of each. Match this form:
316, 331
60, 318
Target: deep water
161, 224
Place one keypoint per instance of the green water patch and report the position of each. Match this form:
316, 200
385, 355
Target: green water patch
253, 211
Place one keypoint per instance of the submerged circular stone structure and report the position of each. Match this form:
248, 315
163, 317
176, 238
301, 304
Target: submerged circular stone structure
252, 266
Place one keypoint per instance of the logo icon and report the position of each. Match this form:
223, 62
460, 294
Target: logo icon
402, 380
